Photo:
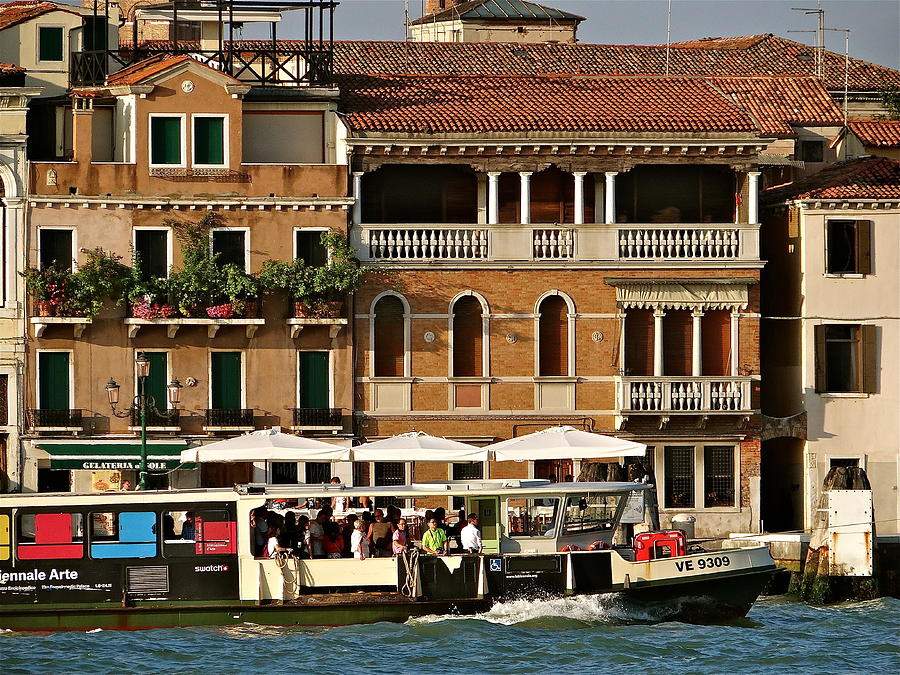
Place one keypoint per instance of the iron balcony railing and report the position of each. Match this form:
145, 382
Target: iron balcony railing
229, 417
154, 419
57, 419
318, 417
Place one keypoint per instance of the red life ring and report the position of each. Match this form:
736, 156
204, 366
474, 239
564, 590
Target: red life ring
569, 547
598, 546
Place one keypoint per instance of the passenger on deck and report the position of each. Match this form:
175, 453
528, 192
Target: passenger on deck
366, 503
169, 527
272, 546
303, 542
359, 544
126, 485
333, 543
399, 538
317, 533
188, 530
440, 515
380, 535
258, 521
290, 535
338, 504
347, 530
393, 515
435, 539
471, 537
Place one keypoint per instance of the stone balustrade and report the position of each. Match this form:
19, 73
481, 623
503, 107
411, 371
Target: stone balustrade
684, 394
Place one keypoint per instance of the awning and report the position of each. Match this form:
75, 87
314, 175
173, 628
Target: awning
417, 446
116, 455
565, 442
681, 295
267, 445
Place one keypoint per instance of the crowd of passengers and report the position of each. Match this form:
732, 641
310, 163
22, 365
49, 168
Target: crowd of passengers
371, 534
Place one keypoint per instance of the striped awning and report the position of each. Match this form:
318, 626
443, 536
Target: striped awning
116, 455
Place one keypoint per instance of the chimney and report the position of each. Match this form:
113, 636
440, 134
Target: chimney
434, 6
82, 129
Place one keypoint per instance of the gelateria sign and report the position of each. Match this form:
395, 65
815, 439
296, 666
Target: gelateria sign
113, 456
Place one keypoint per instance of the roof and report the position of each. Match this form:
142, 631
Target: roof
518, 10
749, 56
478, 104
877, 133
11, 75
777, 102
865, 178
154, 65
12, 13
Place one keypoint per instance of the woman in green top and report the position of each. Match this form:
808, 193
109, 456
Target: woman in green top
435, 539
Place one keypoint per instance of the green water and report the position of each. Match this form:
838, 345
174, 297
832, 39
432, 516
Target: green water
579, 635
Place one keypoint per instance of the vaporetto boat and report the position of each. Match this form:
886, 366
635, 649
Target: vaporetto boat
110, 560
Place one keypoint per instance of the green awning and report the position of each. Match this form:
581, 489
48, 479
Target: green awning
94, 456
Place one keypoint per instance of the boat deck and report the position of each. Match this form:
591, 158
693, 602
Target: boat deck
339, 599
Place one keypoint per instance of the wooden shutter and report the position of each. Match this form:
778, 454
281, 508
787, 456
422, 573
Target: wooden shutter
547, 197
314, 380
389, 351
864, 246
53, 385
156, 382
820, 357
677, 336
716, 342
467, 337
209, 143
639, 342
226, 380
165, 144
554, 336
869, 359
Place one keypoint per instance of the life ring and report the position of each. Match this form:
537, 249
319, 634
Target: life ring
598, 546
569, 547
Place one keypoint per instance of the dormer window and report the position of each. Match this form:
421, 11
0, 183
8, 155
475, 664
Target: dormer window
50, 43
167, 140
210, 140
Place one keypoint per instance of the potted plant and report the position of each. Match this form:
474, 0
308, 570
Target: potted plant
101, 277
150, 299
293, 278
197, 286
340, 276
242, 290
51, 289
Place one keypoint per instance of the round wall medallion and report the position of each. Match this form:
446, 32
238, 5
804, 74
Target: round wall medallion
597, 336
429, 337
187, 86
512, 338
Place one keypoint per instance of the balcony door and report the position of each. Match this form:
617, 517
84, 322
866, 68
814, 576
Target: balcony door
313, 381
226, 380
53, 380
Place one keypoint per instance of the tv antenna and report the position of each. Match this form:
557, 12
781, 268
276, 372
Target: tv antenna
819, 31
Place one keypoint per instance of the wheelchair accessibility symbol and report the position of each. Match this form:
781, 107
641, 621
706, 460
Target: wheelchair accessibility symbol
495, 565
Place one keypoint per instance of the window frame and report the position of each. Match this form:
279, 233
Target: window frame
570, 334
225, 140
407, 335
706, 477
549, 534
330, 374
659, 466
295, 248
170, 246
242, 228
37, 375
485, 341
89, 533
16, 543
62, 43
73, 265
183, 141
867, 365
209, 375
862, 248
806, 142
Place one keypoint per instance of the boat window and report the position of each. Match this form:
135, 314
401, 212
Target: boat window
593, 512
531, 517
4, 538
50, 536
191, 533
123, 534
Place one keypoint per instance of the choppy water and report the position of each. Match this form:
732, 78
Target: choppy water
582, 635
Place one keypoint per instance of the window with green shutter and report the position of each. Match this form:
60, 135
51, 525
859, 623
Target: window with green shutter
165, 140
226, 381
155, 385
209, 141
314, 380
53, 380
50, 43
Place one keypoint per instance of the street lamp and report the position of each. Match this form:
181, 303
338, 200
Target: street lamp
142, 404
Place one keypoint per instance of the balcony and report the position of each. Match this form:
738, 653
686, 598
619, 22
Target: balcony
46, 419
155, 422
317, 419
643, 243
683, 395
228, 419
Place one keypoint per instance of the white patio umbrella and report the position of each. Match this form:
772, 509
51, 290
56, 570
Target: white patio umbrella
267, 445
565, 442
417, 446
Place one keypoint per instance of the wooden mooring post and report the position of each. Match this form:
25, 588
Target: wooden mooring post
840, 563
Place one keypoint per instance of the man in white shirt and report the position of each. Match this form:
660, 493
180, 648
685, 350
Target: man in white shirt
470, 537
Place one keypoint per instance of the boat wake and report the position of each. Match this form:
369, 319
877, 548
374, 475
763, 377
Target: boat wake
580, 611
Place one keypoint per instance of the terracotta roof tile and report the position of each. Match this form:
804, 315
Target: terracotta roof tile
149, 67
866, 178
776, 102
878, 133
422, 104
749, 56
12, 13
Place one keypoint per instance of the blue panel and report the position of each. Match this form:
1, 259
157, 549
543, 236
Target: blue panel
137, 527
104, 551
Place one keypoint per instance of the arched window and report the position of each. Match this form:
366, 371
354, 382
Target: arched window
639, 342
467, 337
389, 337
553, 334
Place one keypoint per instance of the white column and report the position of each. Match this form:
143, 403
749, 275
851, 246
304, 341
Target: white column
579, 196
525, 197
753, 197
357, 194
609, 210
696, 344
493, 201
735, 342
658, 315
